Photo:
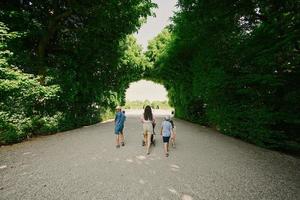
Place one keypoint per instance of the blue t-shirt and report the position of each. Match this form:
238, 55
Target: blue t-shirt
120, 119
166, 128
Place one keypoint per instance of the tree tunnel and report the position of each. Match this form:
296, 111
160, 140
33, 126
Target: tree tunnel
232, 66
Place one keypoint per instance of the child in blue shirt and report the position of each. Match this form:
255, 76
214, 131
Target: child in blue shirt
166, 131
119, 125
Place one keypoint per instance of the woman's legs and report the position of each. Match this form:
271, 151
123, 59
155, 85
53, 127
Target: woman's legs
145, 138
148, 142
145, 135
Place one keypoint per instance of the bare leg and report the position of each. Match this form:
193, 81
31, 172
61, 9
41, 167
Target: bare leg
173, 138
148, 142
145, 138
117, 141
122, 138
166, 148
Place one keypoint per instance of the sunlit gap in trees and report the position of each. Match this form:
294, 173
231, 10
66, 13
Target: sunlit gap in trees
143, 93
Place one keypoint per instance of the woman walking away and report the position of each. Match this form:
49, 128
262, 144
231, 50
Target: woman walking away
148, 119
166, 131
119, 125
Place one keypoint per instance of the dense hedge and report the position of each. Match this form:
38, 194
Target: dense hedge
234, 65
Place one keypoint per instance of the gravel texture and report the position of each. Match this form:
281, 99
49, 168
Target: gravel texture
84, 164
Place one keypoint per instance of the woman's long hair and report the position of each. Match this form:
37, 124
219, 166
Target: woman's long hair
148, 113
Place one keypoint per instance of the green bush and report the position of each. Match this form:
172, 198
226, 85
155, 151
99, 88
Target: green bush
24, 104
9, 132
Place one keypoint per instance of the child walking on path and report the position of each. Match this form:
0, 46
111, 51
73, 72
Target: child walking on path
119, 125
166, 131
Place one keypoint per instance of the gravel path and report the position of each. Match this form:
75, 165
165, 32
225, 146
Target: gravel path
84, 164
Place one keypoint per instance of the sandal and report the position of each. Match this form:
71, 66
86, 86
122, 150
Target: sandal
167, 154
118, 146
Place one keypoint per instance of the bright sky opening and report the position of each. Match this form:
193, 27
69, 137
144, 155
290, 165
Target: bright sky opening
146, 90
155, 25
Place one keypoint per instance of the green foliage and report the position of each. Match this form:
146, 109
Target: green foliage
65, 64
26, 106
234, 65
107, 114
132, 62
